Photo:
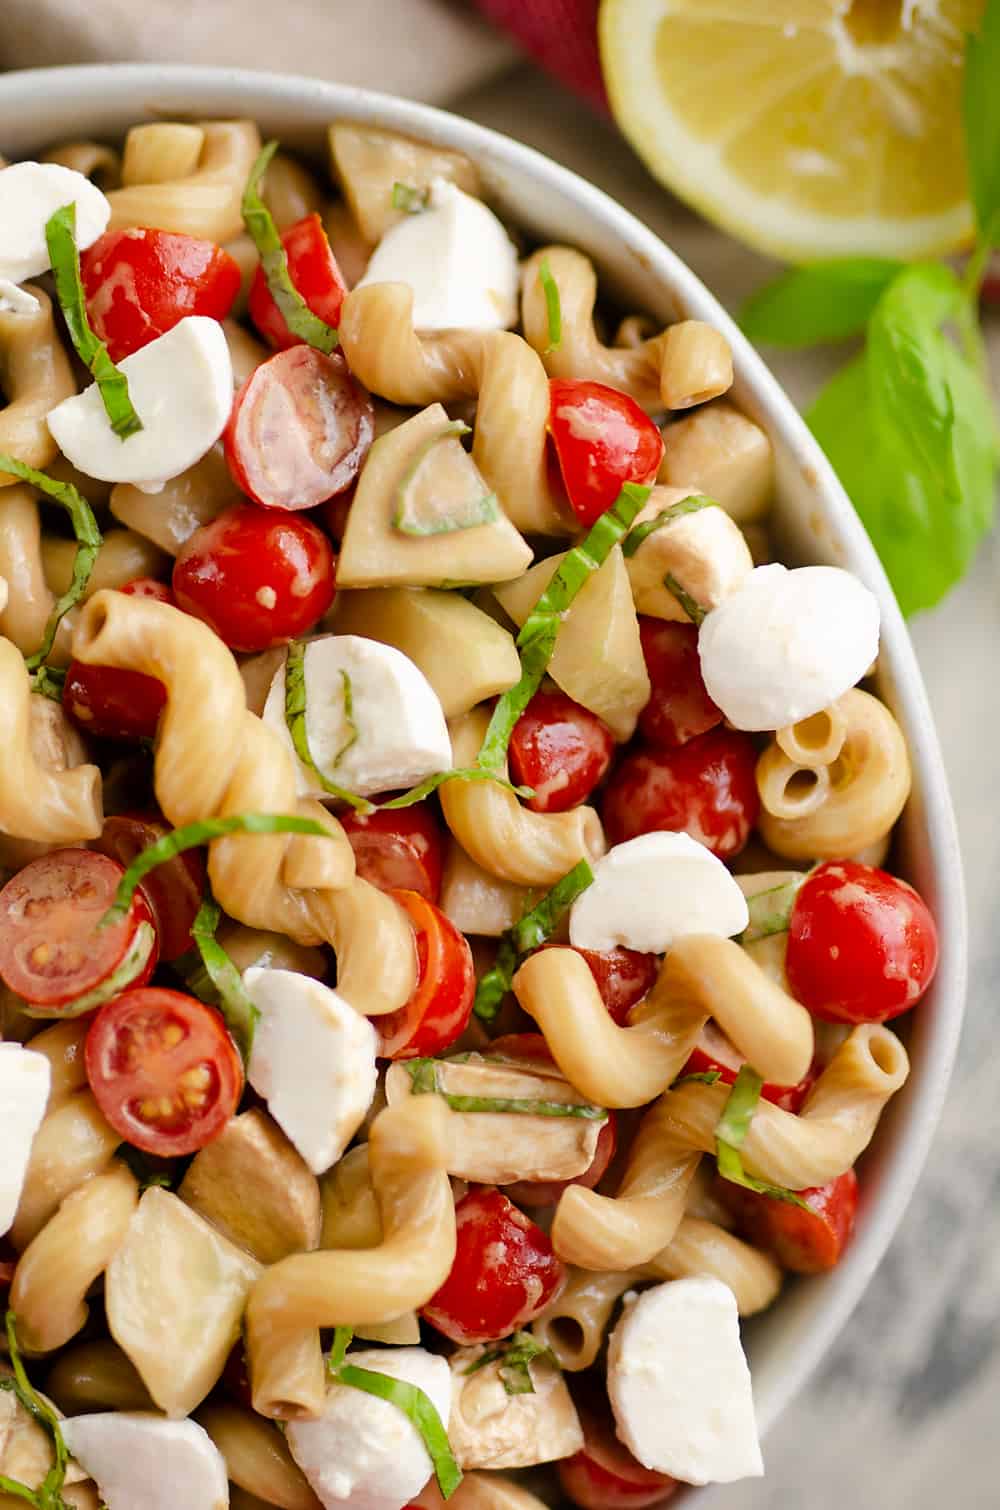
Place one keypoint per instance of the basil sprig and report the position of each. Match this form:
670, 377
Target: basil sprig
537, 924
553, 305
88, 543
641, 532
418, 1408
257, 218
240, 1015
48, 1495
60, 238
514, 1357
537, 638
426, 1081
730, 1134
295, 718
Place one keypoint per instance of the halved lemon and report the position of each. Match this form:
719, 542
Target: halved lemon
809, 128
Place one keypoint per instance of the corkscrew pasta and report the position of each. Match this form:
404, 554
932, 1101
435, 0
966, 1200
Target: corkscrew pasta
378, 1001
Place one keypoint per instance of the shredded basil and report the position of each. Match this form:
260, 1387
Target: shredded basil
694, 610
424, 1075
352, 728
406, 197
257, 218
730, 1133
698, 1077
295, 718
553, 307
477, 511
88, 543
60, 238
641, 532
240, 1014
48, 1495
49, 681
537, 638
537, 924
341, 1342
471, 773
514, 1357
770, 911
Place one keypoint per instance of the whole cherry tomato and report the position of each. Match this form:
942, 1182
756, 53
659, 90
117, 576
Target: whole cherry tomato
259, 578
679, 706
807, 1242
623, 976
862, 945
602, 439
605, 1476
505, 1272
705, 788
173, 890
716, 1053
109, 701
438, 1012
141, 282
561, 750
398, 849
314, 272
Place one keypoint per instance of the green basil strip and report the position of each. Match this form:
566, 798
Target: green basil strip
192, 836
691, 505
471, 773
694, 610
406, 197
88, 543
295, 718
477, 511
771, 911
60, 238
697, 1077
424, 1075
537, 924
553, 306
730, 1133
146, 1169
513, 1356
419, 1409
48, 1496
240, 1015
342, 1336
48, 681
537, 638
260, 224
352, 728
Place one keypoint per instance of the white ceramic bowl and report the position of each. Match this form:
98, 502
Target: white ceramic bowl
815, 523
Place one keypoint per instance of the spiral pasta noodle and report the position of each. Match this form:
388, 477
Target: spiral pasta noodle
55, 806
35, 375
198, 177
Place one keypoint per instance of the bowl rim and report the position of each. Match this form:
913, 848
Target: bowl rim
122, 87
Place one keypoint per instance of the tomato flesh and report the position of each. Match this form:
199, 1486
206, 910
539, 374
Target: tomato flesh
705, 788
623, 977
112, 702
604, 1475
163, 1070
398, 849
438, 1012
173, 890
141, 282
679, 706
602, 439
862, 945
314, 272
52, 952
716, 1053
561, 750
300, 430
256, 577
505, 1272
807, 1242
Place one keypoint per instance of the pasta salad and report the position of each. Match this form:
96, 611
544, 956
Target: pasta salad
445, 951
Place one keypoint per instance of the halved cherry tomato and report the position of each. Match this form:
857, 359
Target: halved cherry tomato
505, 1272
679, 706
257, 577
111, 702
561, 750
862, 945
602, 439
623, 976
299, 431
163, 1070
806, 1242
547, 1192
705, 788
399, 849
51, 950
605, 1476
314, 272
714, 1051
173, 890
141, 282
438, 1012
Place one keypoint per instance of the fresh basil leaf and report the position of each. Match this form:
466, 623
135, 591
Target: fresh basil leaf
696, 612
981, 120
419, 1409
48, 1496
770, 911
342, 1336
295, 718
828, 301
693, 504
514, 1357
294, 310
553, 305
239, 1012
730, 1167
730, 1134
470, 514
537, 924
424, 1077
431, 784
49, 681
697, 1077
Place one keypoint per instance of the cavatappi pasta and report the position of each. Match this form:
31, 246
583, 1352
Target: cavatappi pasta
441, 1029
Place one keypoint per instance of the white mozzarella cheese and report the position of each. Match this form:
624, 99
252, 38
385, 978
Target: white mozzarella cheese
363, 1449
30, 194
181, 386
679, 1384
653, 889
313, 1061
144, 1462
15, 300
25, 1078
458, 260
393, 735
786, 643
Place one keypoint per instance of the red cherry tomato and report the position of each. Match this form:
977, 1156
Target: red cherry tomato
679, 706
623, 977
114, 703
547, 1192
505, 1272
314, 272
714, 1051
148, 587
862, 945
438, 1012
398, 849
705, 788
51, 950
561, 750
258, 578
521, 1048
141, 282
299, 431
806, 1242
602, 439
163, 1070
173, 890
605, 1475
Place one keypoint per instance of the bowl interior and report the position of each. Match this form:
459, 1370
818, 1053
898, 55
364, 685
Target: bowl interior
814, 522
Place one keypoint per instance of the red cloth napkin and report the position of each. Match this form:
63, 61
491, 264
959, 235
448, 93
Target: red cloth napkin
561, 35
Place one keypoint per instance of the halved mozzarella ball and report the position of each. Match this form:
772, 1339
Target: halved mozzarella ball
25, 1078
30, 194
143, 1462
